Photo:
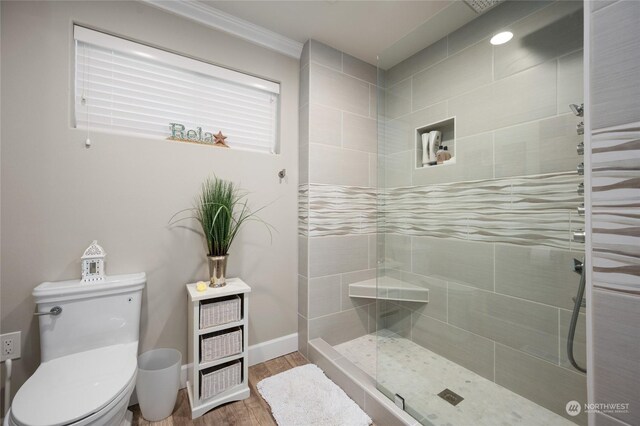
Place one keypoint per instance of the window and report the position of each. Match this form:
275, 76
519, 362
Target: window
130, 88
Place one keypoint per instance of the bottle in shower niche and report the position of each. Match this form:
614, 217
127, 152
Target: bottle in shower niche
443, 154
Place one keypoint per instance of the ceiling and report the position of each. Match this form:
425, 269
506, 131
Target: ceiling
362, 29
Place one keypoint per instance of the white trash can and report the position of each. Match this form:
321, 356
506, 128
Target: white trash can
158, 382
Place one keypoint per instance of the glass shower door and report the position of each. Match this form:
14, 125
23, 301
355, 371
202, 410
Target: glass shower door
479, 221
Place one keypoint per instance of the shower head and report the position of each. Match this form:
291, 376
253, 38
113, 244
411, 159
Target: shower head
481, 6
578, 110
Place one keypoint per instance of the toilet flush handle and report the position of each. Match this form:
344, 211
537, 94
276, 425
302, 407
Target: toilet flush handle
56, 310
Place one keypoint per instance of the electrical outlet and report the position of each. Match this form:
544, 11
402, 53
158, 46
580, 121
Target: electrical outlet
10, 345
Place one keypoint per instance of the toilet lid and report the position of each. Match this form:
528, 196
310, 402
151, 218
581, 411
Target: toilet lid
67, 389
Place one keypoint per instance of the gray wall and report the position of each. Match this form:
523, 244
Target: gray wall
57, 195
615, 200
337, 157
490, 235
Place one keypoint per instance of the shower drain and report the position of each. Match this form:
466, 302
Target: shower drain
450, 396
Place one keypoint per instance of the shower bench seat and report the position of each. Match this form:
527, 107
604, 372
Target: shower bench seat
389, 288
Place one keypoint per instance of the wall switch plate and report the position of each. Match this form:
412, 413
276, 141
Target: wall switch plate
10, 346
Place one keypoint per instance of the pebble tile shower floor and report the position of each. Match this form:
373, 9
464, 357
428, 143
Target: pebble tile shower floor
419, 375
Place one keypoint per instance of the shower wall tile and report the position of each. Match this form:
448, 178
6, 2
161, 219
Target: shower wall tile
540, 274
303, 256
359, 133
373, 170
303, 334
303, 145
325, 55
374, 93
359, 69
536, 88
396, 135
454, 260
304, 86
616, 345
570, 81
354, 277
325, 296
398, 252
335, 255
520, 324
579, 340
373, 251
303, 296
325, 125
395, 317
544, 146
397, 169
605, 420
437, 306
539, 37
400, 134
335, 89
460, 73
421, 60
546, 384
599, 4
338, 166
467, 349
485, 25
614, 65
494, 106
398, 99
341, 327
474, 161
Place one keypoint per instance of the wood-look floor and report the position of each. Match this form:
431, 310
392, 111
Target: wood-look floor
252, 411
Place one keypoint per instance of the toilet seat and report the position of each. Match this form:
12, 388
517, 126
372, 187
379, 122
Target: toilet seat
73, 389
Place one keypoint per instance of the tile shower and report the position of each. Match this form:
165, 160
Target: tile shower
489, 236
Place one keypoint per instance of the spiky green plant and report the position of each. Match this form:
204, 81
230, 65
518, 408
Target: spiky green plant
221, 209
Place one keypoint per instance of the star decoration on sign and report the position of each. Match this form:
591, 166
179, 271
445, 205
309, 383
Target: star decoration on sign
219, 139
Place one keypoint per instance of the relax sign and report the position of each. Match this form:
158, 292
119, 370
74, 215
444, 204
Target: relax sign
180, 133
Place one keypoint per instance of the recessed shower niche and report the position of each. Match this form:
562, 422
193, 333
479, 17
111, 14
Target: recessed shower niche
430, 139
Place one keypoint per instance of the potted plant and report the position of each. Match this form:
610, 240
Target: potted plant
221, 209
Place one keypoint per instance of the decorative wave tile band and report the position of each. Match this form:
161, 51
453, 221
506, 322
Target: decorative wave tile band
615, 200
536, 210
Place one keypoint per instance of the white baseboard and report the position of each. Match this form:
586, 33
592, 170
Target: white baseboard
271, 349
258, 353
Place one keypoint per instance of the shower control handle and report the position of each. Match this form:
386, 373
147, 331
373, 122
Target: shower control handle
580, 128
579, 236
581, 209
580, 148
581, 189
577, 266
580, 169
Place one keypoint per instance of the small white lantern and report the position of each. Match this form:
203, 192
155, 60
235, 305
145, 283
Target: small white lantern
93, 263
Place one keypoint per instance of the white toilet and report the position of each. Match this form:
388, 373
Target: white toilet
89, 354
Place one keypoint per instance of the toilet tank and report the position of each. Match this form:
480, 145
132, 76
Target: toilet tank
94, 314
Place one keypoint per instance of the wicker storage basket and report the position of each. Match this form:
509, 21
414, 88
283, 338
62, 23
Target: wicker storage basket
220, 312
221, 379
221, 344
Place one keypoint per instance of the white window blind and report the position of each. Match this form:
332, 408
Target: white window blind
130, 88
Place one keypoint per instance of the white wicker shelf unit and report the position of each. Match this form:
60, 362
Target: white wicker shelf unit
236, 387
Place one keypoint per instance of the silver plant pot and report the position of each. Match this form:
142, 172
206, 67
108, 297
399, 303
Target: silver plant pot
218, 270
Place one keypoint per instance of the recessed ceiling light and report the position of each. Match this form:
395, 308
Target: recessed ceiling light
501, 38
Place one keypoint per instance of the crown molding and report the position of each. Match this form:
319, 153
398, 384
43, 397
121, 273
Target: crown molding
214, 18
